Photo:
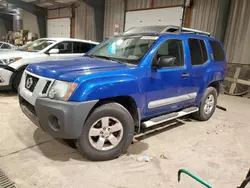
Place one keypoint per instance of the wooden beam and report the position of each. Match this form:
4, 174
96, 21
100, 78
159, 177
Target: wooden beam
236, 76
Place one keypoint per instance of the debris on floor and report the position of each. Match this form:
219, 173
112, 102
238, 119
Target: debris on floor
144, 158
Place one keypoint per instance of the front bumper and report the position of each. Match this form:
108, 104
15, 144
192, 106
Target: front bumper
5, 79
57, 118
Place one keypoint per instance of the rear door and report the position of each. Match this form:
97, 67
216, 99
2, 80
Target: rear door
200, 63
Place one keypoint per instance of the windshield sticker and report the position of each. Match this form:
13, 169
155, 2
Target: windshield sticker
149, 37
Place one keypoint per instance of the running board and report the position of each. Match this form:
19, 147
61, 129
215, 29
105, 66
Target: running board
168, 117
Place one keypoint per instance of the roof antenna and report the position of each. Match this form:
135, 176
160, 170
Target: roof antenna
183, 15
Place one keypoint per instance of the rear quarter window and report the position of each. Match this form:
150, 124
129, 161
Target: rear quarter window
218, 52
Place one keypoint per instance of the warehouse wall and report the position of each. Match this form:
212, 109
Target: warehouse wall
2, 29
59, 13
30, 22
85, 22
114, 14
204, 14
237, 40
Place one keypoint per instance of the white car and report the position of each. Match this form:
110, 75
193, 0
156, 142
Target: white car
6, 46
13, 63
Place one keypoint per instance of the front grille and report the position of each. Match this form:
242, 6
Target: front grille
25, 103
46, 87
30, 82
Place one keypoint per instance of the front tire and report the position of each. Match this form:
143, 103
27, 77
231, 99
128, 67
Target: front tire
207, 105
107, 133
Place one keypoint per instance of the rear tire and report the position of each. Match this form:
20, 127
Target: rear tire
207, 105
107, 133
17, 80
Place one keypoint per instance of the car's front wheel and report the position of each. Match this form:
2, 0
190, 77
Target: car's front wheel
107, 133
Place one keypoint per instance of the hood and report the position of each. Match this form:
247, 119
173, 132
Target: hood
15, 53
70, 70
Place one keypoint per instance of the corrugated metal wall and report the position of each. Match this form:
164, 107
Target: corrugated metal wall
237, 40
114, 14
205, 15
85, 22
59, 13
142, 4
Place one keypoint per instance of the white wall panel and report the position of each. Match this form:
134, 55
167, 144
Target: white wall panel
58, 27
162, 16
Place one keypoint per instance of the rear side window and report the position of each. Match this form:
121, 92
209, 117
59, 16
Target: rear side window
217, 51
81, 47
198, 51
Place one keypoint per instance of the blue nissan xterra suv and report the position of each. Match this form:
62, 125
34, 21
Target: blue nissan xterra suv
147, 76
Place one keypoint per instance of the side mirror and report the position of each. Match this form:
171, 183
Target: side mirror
165, 61
53, 51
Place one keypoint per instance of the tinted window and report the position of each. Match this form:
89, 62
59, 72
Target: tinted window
64, 47
198, 51
204, 51
5, 46
172, 47
217, 51
80, 47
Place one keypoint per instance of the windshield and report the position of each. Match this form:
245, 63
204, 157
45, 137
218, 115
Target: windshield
127, 48
36, 46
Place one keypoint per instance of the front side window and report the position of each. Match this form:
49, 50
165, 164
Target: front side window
129, 49
172, 48
64, 47
198, 51
36, 45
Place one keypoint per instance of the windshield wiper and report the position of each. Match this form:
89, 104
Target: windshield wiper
104, 57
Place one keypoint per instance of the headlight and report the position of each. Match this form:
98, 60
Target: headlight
62, 90
10, 60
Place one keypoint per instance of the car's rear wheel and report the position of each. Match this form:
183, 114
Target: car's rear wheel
207, 105
107, 133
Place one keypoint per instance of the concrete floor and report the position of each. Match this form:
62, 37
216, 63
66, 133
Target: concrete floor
216, 150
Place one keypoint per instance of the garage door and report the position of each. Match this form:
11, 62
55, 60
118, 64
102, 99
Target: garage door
163, 16
58, 27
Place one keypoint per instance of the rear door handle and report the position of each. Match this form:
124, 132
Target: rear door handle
184, 75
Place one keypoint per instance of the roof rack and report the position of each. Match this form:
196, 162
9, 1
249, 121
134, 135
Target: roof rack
163, 29
174, 29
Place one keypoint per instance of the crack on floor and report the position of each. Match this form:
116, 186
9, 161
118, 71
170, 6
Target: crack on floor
14, 152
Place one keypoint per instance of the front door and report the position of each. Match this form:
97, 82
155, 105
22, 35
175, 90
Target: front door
169, 88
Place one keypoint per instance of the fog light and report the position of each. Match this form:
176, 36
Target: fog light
54, 123
52, 93
1, 80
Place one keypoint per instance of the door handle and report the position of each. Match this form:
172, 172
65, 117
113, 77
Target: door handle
184, 75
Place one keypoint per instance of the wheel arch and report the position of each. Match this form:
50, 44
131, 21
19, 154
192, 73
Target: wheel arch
216, 85
12, 78
127, 102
